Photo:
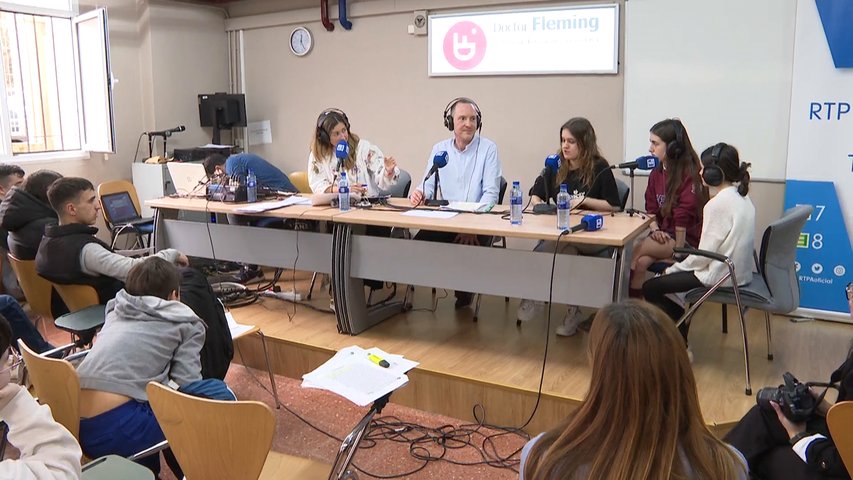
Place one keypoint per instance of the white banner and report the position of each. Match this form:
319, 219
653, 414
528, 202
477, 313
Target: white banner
553, 40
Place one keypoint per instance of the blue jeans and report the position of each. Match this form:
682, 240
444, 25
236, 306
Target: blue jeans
132, 427
21, 325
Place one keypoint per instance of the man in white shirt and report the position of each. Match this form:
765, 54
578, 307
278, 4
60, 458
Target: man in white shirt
472, 173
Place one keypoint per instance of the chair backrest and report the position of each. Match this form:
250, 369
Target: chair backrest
777, 256
840, 422
502, 190
36, 289
300, 181
117, 186
623, 190
56, 385
214, 438
77, 297
401, 188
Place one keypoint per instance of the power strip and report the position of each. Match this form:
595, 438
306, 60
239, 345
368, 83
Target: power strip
290, 296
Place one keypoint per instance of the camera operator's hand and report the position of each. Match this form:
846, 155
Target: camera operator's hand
792, 428
823, 407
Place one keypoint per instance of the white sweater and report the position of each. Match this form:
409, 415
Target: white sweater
728, 228
48, 450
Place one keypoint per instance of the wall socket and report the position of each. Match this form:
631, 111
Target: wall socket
419, 21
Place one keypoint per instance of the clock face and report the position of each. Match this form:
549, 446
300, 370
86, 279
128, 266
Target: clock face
300, 41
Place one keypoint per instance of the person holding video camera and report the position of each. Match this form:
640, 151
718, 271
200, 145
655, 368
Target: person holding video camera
779, 447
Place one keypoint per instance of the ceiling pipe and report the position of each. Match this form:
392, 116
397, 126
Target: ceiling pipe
324, 15
342, 15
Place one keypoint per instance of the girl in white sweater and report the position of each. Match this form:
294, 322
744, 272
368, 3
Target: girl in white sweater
728, 229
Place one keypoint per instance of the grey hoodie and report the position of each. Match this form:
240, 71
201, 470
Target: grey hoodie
144, 339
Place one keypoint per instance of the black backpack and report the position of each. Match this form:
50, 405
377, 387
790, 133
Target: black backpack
218, 349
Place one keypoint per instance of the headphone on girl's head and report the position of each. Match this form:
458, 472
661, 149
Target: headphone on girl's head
675, 148
336, 114
712, 174
448, 112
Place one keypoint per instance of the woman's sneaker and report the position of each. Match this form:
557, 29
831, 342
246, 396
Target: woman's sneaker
573, 318
527, 310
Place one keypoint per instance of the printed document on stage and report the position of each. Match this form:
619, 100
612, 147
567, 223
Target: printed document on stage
351, 374
469, 206
236, 329
429, 214
267, 206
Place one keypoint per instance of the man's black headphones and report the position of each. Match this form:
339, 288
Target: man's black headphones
712, 174
335, 113
448, 112
675, 148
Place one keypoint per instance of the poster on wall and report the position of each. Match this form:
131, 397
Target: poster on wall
820, 154
526, 42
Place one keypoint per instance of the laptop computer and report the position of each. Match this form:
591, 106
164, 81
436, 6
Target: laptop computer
120, 209
189, 178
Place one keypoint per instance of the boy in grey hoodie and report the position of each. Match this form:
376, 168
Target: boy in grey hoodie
148, 336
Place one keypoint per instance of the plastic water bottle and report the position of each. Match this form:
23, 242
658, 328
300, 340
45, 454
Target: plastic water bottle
251, 187
515, 204
563, 206
343, 192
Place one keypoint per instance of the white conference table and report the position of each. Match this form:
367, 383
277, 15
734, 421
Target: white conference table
350, 255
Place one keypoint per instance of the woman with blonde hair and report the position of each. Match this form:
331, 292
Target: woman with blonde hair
367, 169
640, 418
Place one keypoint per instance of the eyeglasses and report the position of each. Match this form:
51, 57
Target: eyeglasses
15, 360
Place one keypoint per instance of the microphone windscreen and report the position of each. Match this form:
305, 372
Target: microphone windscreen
552, 162
440, 159
592, 222
648, 162
342, 150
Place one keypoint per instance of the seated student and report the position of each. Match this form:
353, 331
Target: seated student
10, 176
22, 326
24, 214
641, 416
674, 196
48, 450
239, 165
585, 171
366, 167
70, 253
779, 449
148, 336
472, 174
728, 229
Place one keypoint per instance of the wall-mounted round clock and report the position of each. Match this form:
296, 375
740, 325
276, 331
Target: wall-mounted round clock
300, 41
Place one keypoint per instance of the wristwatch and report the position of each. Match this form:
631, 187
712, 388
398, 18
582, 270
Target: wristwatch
796, 438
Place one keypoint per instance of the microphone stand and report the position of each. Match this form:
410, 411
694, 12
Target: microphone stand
340, 468
546, 208
631, 210
435, 202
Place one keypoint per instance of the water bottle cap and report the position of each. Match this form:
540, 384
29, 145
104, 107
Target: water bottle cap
564, 188
343, 174
516, 183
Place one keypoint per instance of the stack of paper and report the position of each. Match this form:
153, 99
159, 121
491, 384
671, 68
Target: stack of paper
266, 206
351, 374
236, 329
469, 206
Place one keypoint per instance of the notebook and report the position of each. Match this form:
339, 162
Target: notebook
120, 209
189, 178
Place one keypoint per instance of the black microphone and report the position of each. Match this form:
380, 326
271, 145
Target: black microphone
646, 162
167, 133
552, 165
589, 223
438, 161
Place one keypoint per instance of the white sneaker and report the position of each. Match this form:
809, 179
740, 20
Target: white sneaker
527, 310
573, 318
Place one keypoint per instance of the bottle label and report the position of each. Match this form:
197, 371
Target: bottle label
563, 204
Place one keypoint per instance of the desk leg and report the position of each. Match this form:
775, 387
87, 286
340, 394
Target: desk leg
160, 240
622, 271
350, 303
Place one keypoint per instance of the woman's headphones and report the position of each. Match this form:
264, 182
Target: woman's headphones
335, 113
448, 112
712, 174
675, 148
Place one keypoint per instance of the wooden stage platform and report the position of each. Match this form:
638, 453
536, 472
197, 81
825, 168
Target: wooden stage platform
497, 365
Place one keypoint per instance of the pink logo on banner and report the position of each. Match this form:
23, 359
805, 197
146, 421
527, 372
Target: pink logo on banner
465, 45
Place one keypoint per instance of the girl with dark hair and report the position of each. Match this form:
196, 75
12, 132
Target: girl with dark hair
728, 229
641, 417
367, 169
674, 196
587, 174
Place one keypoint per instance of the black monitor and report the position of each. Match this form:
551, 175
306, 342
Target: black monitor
221, 110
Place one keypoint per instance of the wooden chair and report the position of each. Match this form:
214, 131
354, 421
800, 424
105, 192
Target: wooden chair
219, 439
300, 181
840, 422
56, 385
35, 288
142, 229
